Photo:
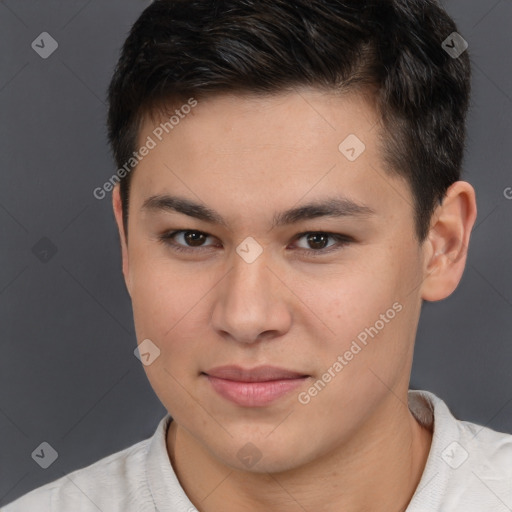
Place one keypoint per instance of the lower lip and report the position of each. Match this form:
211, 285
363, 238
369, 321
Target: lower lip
254, 394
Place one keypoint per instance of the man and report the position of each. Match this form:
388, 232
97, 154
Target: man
288, 194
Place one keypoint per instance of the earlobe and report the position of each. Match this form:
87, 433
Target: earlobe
118, 214
448, 239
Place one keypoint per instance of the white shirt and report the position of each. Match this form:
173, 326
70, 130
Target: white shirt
469, 469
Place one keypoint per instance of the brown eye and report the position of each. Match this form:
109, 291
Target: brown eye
185, 240
190, 240
317, 242
194, 238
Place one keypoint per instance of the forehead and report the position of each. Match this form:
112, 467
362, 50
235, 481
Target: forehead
268, 149
283, 117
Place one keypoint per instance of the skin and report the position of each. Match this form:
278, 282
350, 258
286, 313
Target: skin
355, 446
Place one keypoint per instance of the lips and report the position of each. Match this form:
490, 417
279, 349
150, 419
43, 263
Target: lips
259, 374
256, 387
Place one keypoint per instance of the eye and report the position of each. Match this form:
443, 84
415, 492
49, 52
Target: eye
196, 238
317, 239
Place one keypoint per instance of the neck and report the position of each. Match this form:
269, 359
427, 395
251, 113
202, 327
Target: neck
378, 469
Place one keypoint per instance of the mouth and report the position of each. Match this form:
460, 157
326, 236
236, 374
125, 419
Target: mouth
255, 387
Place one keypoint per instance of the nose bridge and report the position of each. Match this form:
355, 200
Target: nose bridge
249, 303
249, 282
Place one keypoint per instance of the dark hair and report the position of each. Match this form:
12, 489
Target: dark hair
390, 50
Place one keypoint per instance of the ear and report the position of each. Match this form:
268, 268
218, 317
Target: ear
446, 246
118, 213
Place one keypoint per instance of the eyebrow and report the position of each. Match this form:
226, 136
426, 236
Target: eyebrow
329, 207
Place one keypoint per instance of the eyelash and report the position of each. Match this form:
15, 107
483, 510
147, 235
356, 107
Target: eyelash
343, 240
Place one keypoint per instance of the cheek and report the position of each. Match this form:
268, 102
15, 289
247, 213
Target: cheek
368, 313
165, 307
155, 306
161, 291
169, 307
355, 299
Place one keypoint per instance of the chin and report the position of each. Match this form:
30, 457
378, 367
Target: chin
262, 455
267, 464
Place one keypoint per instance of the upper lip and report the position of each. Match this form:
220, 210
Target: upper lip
258, 374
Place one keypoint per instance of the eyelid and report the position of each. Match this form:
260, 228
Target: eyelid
341, 241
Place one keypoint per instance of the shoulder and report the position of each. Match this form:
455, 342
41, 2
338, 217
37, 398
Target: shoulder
469, 465
111, 483
471, 445
462, 441
478, 468
487, 451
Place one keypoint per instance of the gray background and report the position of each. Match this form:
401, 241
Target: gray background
68, 375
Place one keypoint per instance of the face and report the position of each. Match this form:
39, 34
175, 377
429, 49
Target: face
331, 293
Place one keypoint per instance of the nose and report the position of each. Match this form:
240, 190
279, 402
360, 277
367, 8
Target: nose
252, 303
